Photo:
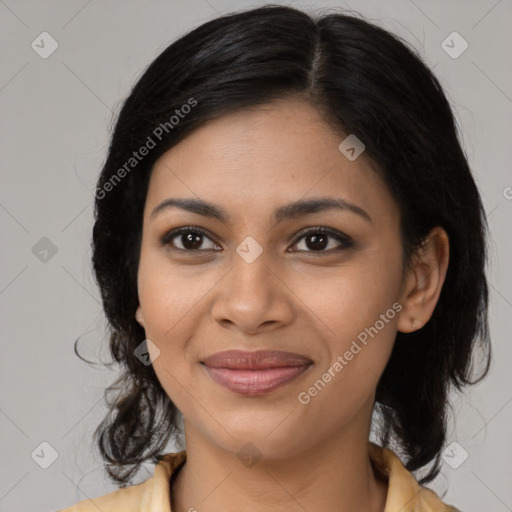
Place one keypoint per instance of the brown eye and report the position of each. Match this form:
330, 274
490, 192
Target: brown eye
320, 239
188, 239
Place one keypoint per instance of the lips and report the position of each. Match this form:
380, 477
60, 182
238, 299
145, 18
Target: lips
244, 360
255, 373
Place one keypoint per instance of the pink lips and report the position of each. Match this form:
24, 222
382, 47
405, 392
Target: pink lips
255, 373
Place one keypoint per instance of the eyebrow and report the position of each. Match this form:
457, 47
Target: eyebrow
289, 211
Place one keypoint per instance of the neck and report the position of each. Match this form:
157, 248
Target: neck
334, 476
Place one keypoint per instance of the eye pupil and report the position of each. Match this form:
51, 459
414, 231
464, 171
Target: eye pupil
318, 242
191, 240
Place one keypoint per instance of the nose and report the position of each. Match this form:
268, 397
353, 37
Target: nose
253, 297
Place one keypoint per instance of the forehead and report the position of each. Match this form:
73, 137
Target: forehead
260, 158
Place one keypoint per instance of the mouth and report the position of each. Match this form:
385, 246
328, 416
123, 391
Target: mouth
255, 373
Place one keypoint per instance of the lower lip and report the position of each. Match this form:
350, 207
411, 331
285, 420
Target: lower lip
255, 382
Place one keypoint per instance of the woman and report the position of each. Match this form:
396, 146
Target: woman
289, 243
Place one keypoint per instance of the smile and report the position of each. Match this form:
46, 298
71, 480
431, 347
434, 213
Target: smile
255, 373
255, 382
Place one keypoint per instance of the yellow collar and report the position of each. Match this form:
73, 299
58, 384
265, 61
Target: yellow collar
404, 493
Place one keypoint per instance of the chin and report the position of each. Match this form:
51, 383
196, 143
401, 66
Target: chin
271, 441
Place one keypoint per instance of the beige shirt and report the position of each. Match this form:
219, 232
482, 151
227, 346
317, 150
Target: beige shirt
404, 492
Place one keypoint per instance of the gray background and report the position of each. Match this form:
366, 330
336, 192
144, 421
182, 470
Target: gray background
55, 119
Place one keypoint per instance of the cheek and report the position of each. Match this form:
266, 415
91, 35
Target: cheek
357, 312
170, 296
345, 382
170, 312
350, 299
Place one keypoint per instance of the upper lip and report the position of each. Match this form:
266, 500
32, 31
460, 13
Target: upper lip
255, 360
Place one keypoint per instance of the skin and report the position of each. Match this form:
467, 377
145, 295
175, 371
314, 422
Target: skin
290, 298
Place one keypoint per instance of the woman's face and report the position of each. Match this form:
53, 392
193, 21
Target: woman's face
260, 281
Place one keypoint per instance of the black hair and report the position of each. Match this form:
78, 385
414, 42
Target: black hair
363, 80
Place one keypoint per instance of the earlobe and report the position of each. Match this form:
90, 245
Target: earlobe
425, 281
139, 317
406, 320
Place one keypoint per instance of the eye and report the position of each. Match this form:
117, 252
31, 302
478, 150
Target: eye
317, 240
190, 238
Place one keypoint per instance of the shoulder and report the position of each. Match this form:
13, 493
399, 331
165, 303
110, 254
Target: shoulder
128, 499
153, 494
404, 492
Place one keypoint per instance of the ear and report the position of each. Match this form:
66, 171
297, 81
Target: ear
139, 317
424, 281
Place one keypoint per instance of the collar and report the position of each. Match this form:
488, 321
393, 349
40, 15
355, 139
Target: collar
405, 494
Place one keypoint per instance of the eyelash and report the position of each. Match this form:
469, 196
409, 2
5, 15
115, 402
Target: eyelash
345, 241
